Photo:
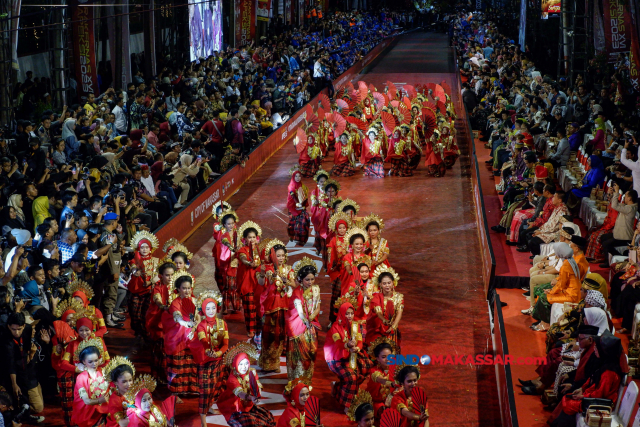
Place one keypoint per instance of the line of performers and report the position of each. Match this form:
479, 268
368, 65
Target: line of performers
366, 128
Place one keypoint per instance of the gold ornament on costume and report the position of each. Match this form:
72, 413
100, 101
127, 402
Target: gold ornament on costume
270, 245
399, 368
350, 298
170, 243
145, 235
82, 286
304, 262
229, 212
365, 259
293, 383
384, 269
382, 340
241, 347
371, 218
114, 363
333, 182
361, 398
348, 203
142, 382
354, 231
178, 274
340, 216
214, 295
321, 172
91, 342
247, 225
69, 304
294, 169
225, 206
175, 248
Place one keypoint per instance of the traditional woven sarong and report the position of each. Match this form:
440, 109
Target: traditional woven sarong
182, 373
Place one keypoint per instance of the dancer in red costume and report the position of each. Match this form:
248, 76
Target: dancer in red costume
228, 262
297, 204
248, 266
338, 247
145, 274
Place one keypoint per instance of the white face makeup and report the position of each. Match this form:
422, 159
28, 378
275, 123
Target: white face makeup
243, 367
211, 310
146, 402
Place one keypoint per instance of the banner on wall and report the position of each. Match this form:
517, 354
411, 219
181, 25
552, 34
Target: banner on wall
634, 61
245, 21
617, 28
205, 28
598, 28
550, 8
84, 51
264, 6
523, 24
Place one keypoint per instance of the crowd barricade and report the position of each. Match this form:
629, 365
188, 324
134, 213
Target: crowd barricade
198, 210
506, 398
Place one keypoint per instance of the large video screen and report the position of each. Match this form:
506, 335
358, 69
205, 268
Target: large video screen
205, 28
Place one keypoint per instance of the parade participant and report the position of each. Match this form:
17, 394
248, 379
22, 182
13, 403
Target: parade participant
228, 262
350, 207
302, 321
249, 264
397, 155
212, 343
433, 156
386, 306
239, 402
310, 157
338, 247
361, 410
70, 361
278, 280
64, 335
344, 355
344, 157
320, 207
296, 393
297, 203
91, 391
413, 144
178, 254
376, 246
381, 383
218, 230
360, 296
323, 232
82, 292
451, 151
371, 156
402, 401
368, 110
178, 325
349, 274
120, 371
162, 296
144, 274
143, 412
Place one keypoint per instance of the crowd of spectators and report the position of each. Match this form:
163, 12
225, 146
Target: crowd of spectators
558, 148
78, 182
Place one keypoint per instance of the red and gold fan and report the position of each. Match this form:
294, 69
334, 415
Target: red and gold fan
404, 114
325, 102
388, 122
372, 88
343, 107
362, 87
419, 397
442, 107
338, 123
312, 124
300, 141
420, 88
429, 123
380, 100
350, 86
394, 103
429, 105
431, 86
446, 87
391, 90
357, 122
411, 91
312, 411
321, 114
406, 102
439, 92
390, 418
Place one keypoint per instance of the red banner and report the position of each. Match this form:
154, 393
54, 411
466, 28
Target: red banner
617, 28
245, 16
84, 51
198, 210
634, 61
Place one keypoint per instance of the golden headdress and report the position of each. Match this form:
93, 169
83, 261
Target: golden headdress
91, 342
348, 203
246, 226
321, 172
361, 398
142, 382
178, 274
69, 304
174, 248
372, 218
241, 347
214, 295
338, 216
169, 244
405, 127
384, 269
145, 235
365, 259
399, 368
333, 182
229, 212
114, 363
271, 243
382, 340
225, 206
353, 231
293, 383
373, 129
306, 261
295, 168
346, 298
82, 286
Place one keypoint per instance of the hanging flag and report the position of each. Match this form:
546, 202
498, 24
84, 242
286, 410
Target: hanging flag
245, 21
84, 51
617, 28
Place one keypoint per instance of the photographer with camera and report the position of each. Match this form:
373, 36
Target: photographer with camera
96, 210
17, 260
10, 417
109, 271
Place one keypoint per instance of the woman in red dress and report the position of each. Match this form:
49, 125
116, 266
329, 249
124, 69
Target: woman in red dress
120, 372
81, 291
228, 261
160, 296
178, 325
402, 402
278, 279
343, 353
397, 155
451, 151
91, 392
320, 205
239, 402
310, 157
349, 274
64, 335
302, 321
144, 412
296, 393
212, 343
386, 307
144, 267
372, 154
297, 204
368, 110
323, 232
344, 159
70, 361
381, 384
414, 144
433, 156
218, 229
248, 267
376, 246
340, 222
361, 410
594, 251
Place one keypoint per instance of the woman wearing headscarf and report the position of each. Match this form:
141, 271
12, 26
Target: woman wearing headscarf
15, 201
297, 203
598, 141
594, 178
9, 220
40, 210
296, 393
566, 288
144, 412
71, 143
182, 171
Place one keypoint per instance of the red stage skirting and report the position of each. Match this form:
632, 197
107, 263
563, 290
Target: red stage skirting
199, 209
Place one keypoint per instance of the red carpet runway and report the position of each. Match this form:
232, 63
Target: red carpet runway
431, 229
